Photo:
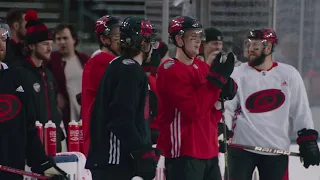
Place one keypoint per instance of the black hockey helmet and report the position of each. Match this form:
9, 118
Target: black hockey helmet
134, 29
180, 24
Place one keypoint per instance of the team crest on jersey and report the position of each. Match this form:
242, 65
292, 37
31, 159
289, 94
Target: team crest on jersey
168, 64
128, 61
265, 100
36, 87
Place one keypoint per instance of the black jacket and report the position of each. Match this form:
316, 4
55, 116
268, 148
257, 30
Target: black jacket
18, 135
14, 52
118, 124
45, 95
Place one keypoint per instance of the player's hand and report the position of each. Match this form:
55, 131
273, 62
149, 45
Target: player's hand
308, 146
145, 162
221, 126
221, 69
229, 90
51, 170
211, 57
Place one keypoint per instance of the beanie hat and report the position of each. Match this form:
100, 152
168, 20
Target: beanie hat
213, 34
36, 30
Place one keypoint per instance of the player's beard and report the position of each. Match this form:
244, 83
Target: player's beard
258, 60
41, 56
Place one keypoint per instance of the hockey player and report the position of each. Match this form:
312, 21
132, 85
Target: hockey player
18, 135
108, 34
188, 90
120, 144
38, 42
271, 96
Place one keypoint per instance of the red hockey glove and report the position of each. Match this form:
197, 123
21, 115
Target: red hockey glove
229, 90
308, 147
145, 161
220, 71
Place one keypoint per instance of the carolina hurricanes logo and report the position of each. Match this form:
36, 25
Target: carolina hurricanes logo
146, 28
10, 107
265, 101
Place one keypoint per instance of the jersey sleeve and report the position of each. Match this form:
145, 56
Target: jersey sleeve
230, 112
178, 88
123, 108
300, 111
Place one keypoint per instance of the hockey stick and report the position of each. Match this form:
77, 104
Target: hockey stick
266, 150
225, 142
21, 172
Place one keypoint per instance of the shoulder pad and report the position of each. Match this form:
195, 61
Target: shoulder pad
128, 62
168, 64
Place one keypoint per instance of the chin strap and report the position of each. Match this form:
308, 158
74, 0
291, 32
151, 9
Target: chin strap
184, 50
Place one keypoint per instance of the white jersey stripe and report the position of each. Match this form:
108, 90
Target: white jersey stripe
114, 150
175, 131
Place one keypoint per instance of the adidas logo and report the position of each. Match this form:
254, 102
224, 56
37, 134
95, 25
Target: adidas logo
20, 89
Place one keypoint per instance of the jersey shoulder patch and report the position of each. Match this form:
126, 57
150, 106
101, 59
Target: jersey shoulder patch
128, 62
168, 64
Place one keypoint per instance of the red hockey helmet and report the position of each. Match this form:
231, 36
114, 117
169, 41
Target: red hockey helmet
268, 35
180, 24
105, 24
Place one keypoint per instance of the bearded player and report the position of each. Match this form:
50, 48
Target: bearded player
271, 96
19, 142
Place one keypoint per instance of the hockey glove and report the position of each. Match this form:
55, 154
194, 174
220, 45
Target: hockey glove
308, 147
221, 70
145, 162
221, 126
78, 97
51, 170
229, 90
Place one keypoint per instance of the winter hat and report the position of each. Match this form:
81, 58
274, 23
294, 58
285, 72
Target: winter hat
213, 34
36, 30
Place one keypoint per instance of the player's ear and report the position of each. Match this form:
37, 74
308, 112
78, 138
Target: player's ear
269, 48
179, 40
31, 46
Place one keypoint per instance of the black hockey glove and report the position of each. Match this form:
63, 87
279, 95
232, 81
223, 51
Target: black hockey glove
229, 90
51, 170
221, 126
308, 147
78, 97
220, 71
145, 162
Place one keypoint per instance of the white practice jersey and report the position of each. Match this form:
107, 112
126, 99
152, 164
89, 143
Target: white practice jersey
267, 102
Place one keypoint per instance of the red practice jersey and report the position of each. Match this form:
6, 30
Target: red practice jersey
92, 74
187, 116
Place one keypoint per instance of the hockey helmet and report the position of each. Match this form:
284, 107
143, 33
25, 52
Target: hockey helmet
134, 29
6, 34
105, 24
180, 24
267, 35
